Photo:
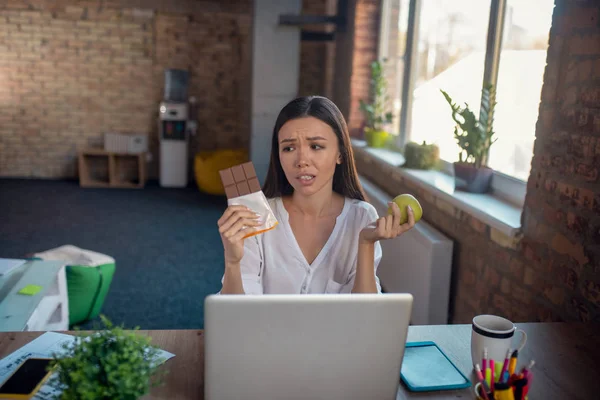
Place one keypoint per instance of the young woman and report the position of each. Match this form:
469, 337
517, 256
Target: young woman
327, 240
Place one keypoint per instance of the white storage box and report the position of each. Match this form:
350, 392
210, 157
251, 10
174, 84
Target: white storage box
125, 143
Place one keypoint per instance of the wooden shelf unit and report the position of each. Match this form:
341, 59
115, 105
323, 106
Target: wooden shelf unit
102, 169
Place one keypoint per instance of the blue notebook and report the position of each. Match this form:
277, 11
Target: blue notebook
426, 367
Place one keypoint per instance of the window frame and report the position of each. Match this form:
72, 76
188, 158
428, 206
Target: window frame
505, 186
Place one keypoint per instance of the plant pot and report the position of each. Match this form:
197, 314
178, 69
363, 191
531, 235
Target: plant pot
376, 138
421, 156
470, 179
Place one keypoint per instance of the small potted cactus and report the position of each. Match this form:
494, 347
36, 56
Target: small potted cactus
421, 156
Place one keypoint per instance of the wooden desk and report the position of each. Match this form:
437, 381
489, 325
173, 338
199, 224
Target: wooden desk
566, 358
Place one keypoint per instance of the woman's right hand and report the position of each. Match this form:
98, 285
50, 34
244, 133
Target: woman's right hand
235, 223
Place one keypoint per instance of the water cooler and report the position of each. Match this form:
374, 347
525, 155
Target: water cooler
173, 131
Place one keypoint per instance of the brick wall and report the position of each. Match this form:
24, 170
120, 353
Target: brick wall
70, 71
356, 48
366, 29
551, 272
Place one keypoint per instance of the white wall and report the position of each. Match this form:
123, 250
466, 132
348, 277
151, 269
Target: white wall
275, 72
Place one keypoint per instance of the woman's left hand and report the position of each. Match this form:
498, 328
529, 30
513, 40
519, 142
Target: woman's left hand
387, 227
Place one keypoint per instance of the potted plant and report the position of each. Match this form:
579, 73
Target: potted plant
421, 156
474, 137
107, 364
376, 116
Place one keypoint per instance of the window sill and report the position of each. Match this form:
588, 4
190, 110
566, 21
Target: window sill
491, 210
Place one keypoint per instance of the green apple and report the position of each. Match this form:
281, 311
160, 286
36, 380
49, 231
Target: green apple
404, 200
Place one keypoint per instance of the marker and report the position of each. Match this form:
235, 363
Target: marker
498, 371
505, 367
484, 385
513, 362
488, 377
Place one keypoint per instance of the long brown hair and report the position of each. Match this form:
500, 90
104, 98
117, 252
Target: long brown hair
345, 177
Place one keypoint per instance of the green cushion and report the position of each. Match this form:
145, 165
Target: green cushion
87, 288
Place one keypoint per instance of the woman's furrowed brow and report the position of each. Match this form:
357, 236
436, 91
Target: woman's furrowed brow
308, 138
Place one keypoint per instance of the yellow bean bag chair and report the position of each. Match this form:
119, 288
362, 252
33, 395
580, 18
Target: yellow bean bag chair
207, 165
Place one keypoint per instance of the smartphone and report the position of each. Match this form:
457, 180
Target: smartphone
26, 380
426, 367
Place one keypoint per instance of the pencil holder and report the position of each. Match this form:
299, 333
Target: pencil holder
477, 391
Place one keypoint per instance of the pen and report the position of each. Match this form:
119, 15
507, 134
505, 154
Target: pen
513, 363
492, 374
505, 367
525, 370
484, 361
527, 374
484, 386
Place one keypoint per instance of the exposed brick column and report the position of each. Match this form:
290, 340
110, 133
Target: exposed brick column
355, 50
366, 42
316, 63
562, 212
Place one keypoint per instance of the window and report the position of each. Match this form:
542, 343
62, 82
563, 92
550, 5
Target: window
450, 55
449, 45
394, 25
524, 42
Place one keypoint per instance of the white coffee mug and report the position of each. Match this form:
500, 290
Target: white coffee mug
494, 334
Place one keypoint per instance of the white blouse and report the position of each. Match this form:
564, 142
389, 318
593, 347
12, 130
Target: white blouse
274, 264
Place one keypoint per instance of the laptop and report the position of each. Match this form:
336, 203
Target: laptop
317, 346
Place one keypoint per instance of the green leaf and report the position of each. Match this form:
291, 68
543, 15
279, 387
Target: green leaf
375, 108
474, 136
108, 364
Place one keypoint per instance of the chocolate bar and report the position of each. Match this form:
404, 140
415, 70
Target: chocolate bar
240, 180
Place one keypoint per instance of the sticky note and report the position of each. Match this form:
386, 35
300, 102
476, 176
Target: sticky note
30, 290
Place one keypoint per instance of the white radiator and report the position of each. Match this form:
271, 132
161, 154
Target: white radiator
418, 262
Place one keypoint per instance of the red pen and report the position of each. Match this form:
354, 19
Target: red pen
505, 366
484, 387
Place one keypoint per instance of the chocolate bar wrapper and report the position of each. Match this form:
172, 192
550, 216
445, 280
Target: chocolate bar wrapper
258, 203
